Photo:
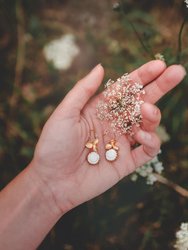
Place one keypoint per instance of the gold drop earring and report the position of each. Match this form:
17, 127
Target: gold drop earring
111, 153
93, 157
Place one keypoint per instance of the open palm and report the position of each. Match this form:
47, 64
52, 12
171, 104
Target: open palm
61, 156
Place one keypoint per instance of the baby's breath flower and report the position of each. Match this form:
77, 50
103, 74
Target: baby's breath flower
158, 167
121, 105
114, 46
159, 56
151, 179
148, 171
182, 237
61, 52
162, 133
134, 177
186, 2
116, 6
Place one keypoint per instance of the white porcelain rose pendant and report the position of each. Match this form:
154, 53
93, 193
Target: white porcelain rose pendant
93, 157
111, 151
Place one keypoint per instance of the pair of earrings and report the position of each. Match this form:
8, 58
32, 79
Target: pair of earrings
93, 156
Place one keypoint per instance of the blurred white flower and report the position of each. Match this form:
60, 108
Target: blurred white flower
61, 52
116, 6
182, 237
158, 166
159, 56
154, 166
114, 46
162, 133
148, 170
186, 2
151, 179
134, 177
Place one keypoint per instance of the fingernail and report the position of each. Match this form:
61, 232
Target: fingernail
145, 135
155, 111
99, 64
184, 70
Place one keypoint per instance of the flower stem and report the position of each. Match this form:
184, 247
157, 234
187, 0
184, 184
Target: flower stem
180, 190
141, 40
179, 51
148, 51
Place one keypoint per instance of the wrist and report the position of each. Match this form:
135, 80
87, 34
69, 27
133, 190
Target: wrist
59, 187
42, 187
27, 211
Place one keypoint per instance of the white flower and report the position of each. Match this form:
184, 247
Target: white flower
186, 2
114, 46
61, 52
116, 6
162, 133
159, 56
148, 170
134, 177
158, 167
182, 237
151, 179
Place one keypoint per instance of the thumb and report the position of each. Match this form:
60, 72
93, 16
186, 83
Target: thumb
76, 99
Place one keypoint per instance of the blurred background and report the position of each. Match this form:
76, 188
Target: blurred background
45, 47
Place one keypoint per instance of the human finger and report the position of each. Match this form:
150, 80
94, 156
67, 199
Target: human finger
149, 148
168, 80
151, 117
84, 89
148, 72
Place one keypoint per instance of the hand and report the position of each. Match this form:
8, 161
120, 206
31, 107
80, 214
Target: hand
60, 155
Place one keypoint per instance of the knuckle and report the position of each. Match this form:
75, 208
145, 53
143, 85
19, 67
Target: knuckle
157, 111
150, 70
86, 89
153, 149
156, 142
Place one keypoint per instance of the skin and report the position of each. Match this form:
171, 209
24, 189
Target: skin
59, 177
